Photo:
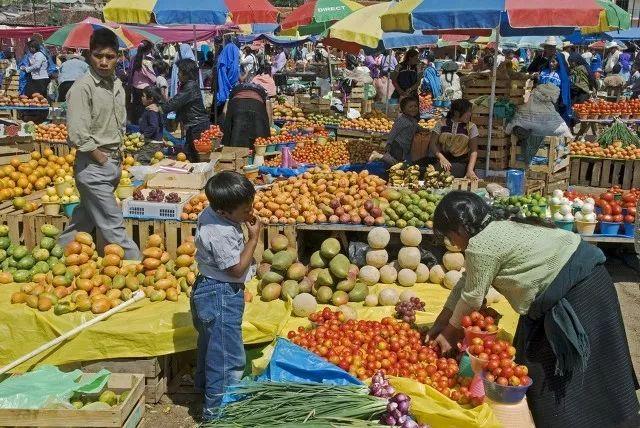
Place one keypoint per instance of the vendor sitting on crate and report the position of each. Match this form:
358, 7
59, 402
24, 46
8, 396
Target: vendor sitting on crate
406, 141
455, 141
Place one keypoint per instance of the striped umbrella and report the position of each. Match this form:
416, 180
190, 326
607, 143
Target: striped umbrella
77, 36
478, 16
612, 17
362, 29
315, 16
215, 12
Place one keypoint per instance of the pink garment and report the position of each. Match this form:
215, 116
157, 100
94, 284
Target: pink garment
266, 82
144, 77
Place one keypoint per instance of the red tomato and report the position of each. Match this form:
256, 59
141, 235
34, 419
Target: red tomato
629, 219
466, 321
631, 211
607, 210
502, 381
616, 209
618, 218
607, 218
608, 196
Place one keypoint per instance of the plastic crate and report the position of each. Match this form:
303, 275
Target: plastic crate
155, 210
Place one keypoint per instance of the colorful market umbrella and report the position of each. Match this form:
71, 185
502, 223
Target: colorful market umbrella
216, 12
547, 16
77, 36
612, 17
315, 16
362, 29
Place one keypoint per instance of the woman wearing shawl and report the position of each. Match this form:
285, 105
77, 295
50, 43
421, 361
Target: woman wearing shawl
570, 334
582, 83
264, 79
450, 81
141, 76
247, 116
431, 78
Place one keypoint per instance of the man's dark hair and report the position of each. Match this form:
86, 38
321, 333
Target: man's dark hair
103, 38
34, 44
188, 68
227, 190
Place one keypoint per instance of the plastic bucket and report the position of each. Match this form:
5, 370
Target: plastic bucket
512, 415
564, 225
585, 227
61, 187
504, 394
68, 208
51, 208
261, 150
607, 228
468, 335
629, 229
477, 365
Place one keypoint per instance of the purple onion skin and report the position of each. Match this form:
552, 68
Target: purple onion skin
403, 406
389, 420
397, 414
401, 397
409, 423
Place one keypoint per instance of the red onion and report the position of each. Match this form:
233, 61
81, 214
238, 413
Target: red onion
400, 397
403, 406
388, 420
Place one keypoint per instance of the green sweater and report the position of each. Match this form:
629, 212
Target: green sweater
518, 260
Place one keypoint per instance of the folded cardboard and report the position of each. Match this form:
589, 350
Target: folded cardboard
230, 158
181, 175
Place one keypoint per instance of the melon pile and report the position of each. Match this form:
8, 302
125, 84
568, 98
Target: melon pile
406, 271
450, 271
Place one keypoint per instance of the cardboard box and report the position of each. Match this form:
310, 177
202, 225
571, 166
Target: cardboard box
181, 175
230, 158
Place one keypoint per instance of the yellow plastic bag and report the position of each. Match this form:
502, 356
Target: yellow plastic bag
428, 406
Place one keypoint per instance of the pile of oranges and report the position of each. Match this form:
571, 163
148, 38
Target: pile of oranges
51, 132
372, 124
22, 178
613, 151
194, 207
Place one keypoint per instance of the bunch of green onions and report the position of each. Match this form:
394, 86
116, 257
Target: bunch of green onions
288, 404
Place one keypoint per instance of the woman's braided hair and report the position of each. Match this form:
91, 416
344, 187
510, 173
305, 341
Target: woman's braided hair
459, 210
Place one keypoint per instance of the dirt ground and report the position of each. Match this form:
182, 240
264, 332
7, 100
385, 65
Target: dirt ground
179, 411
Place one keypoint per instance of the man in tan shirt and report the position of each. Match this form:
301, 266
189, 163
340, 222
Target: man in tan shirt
96, 118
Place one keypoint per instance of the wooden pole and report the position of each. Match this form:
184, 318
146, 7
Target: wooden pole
492, 100
138, 295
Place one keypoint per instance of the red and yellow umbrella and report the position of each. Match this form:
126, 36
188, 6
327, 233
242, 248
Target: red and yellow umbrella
77, 36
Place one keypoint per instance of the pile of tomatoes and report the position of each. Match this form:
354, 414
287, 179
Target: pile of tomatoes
205, 142
497, 357
617, 206
478, 323
601, 109
364, 347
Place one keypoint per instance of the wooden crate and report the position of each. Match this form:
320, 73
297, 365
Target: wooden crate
15, 148
499, 155
59, 149
595, 172
157, 372
551, 181
128, 414
554, 149
534, 186
20, 223
466, 184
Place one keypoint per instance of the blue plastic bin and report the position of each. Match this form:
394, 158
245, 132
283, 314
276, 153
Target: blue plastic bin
608, 228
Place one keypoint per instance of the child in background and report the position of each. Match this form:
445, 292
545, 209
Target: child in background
162, 69
225, 262
151, 124
402, 141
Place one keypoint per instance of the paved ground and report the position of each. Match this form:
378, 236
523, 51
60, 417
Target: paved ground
178, 411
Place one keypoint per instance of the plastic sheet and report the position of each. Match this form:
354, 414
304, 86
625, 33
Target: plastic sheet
430, 407
47, 387
292, 363
283, 172
145, 329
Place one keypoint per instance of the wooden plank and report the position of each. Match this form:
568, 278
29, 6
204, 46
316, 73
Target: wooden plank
596, 173
635, 181
171, 236
605, 180
627, 175
149, 367
154, 390
136, 414
616, 178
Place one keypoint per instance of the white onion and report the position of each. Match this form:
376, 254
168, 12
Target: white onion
555, 201
565, 209
589, 201
558, 216
558, 193
591, 217
587, 208
568, 217
579, 216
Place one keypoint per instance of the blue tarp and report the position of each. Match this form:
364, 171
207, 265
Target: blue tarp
630, 34
292, 363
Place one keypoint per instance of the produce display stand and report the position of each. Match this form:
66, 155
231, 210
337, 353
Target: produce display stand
15, 147
58, 149
500, 141
21, 224
15, 109
599, 172
127, 414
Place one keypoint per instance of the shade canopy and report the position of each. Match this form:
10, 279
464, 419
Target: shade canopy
315, 16
215, 12
363, 29
549, 16
78, 35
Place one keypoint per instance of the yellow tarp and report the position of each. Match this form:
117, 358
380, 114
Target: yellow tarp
150, 329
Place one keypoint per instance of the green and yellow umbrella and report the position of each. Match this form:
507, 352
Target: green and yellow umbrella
315, 16
612, 17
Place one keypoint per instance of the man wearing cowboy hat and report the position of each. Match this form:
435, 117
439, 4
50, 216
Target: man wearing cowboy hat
549, 49
613, 56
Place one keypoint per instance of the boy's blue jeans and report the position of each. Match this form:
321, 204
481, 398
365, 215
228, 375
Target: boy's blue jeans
216, 308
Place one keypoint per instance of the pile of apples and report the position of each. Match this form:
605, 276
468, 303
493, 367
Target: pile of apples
614, 151
287, 112
321, 195
194, 207
51, 132
36, 100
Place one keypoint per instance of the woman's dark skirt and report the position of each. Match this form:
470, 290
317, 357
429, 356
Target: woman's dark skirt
246, 120
604, 394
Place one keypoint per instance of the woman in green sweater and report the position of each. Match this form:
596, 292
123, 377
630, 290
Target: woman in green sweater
570, 333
